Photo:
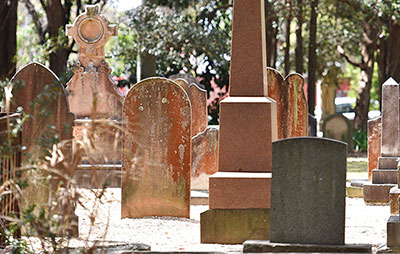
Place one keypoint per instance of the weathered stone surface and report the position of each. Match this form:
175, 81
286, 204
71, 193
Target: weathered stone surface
92, 93
183, 84
292, 109
247, 129
239, 190
105, 138
308, 191
248, 56
98, 176
377, 193
234, 226
394, 200
338, 127
188, 78
156, 150
387, 162
393, 231
41, 95
204, 157
252, 246
198, 100
380, 176
374, 144
390, 119
247, 122
39, 92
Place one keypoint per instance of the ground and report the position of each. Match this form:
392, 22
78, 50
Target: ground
364, 224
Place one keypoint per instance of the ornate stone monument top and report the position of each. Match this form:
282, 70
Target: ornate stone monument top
91, 31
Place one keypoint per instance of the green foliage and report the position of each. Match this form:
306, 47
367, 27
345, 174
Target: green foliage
360, 140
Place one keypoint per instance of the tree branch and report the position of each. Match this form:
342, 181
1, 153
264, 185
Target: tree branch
349, 60
36, 20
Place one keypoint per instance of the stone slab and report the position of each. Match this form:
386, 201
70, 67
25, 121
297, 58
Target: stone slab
198, 100
34, 86
393, 231
247, 129
234, 226
394, 195
388, 162
253, 246
338, 127
156, 150
381, 176
377, 193
98, 178
308, 192
233, 190
248, 51
105, 140
292, 108
374, 144
204, 157
390, 118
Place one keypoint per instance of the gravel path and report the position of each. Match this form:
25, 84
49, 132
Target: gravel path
364, 224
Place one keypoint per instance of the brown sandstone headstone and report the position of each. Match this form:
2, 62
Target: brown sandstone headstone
204, 157
292, 109
198, 100
92, 93
156, 150
374, 144
39, 92
41, 95
187, 77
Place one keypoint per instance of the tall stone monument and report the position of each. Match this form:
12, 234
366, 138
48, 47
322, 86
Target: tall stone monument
95, 100
384, 178
239, 193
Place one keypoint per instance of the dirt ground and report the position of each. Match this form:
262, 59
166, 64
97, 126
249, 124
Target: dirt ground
364, 224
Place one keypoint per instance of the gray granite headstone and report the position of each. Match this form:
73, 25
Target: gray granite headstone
308, 191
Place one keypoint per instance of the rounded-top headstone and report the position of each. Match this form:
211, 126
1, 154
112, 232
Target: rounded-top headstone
156, 150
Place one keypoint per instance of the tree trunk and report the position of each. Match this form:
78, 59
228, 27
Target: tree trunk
312, 57
8, 41
287, 38
57, 19
368, 50
271, 35
299, 38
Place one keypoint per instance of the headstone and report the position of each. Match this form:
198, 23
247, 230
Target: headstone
94, 97
156, 150
374, 144
338, 127
188, 78
41, 95
92, 93
241, 187
308, 191
312, 126
204, 157
292, 108
198, 100
384, 176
